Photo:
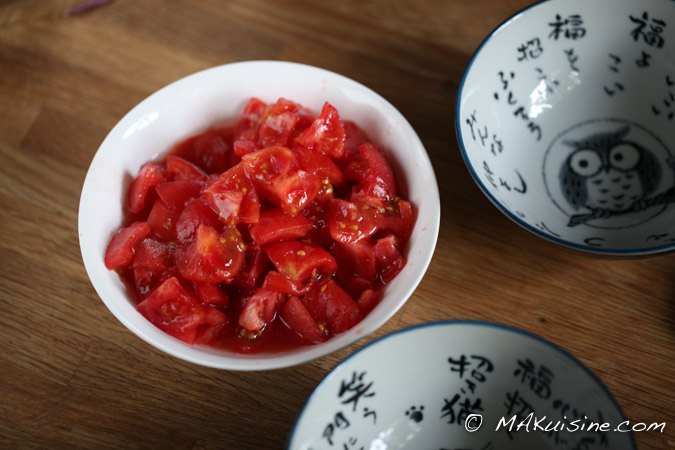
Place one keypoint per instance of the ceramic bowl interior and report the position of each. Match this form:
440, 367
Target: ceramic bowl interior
566, 120
447, 385
215, 97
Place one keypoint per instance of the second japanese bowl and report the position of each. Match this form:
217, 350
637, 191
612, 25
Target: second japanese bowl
217, 96
566, 120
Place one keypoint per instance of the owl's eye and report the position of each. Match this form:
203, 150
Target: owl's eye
585, 162
624, 157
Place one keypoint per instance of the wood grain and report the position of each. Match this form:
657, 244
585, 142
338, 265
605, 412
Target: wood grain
71, 375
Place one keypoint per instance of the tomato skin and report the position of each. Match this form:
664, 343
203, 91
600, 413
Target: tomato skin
211, 257
300, 261
175, 194
354, 137
357, 258
163, 220
184, 170
330, 305
390, 262
172, 309
260, 309
372, 173
326, 134
297, 317
149, 176
276, 225
350, 222
121, 248
319, 163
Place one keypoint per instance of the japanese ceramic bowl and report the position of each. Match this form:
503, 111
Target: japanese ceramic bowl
217, 96
566, 120
461, 385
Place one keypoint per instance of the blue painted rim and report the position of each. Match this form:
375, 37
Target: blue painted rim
444, 323
649, 251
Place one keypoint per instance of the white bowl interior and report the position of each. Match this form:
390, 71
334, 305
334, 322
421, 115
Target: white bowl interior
565, 76
217, 96
416, 388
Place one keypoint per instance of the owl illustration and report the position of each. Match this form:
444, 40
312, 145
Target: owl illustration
607, 173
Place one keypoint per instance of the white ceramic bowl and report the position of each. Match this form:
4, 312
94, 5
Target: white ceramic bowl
421, 388
217, 96
566, 119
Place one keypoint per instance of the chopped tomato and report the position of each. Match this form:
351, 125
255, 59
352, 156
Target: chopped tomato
234, 197
300, 261
397, 218
326, 134
298, 319
275, 281
354, 137
260, 309
184, 170
319, 163
357, 258
247, 126
389, 259
256, 264
175, 194
351, 222
150, 176
120, 250
196, 213
152, 259
172, 309
372, 173
331, 306
211, 257
276, 225
367, 301
275, 172
163, 220
211, 294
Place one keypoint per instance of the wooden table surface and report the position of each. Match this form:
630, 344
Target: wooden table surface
71, 375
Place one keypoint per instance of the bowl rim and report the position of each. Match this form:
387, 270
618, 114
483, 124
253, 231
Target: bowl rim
587, 249
293, 357
446, 324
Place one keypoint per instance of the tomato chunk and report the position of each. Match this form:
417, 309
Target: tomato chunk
275, 281
172, 309
357, 258
373, 174
330, 305
276, 225
389, 259
275, 172
211, 257
234, 197
175, 194
300, 261
184, 170
196, 213
120, 250
351, 222
260, 309
397, 218
163, 220
150, 176
211, 294
298, 319
326, 134
152, 259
